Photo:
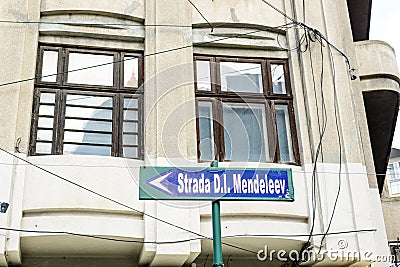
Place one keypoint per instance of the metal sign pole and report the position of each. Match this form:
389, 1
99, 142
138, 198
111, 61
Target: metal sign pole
216, 223
215, 184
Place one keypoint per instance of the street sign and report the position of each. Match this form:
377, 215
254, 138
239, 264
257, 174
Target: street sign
170, 183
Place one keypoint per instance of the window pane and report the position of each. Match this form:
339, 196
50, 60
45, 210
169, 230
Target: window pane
391, 170
101, 75
45, 122
89, 125
206, 131
48, 98
203, 74
394, 177
45, 135
394, 188
130, 115
46, 110
131, 73
49, 67
131, 103
44, 148
81, 137
130, 139
245, 132
130, 127
130, 152
86, 100
87, 150
284, 134
396, 170
278, 79
93, 113
241, 77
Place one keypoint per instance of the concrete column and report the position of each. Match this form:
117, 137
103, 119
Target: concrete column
170, 133
169, 91
18, 49
5, 196
334, 13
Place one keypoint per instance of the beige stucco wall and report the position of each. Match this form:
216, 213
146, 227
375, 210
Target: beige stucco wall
40, 201
391, 212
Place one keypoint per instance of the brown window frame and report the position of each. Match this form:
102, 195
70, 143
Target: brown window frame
61, 88
216, 96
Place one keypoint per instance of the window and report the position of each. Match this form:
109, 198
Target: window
394, 178
244, 110
86, 110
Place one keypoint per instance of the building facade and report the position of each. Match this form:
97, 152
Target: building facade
390, 203
92, 90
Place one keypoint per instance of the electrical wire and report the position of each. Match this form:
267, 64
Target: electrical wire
94, 24
186, 240
352, 76
298, 45
321, 131
280, 12
315, 93
86, 235
139, 57
322, 126
174, 49
304, 235
118, 202
205, 262
293, 21
145, 214
321, 79
314, 35
201, 14
319, 147
335, 103
181, 240
350, 69
114, 24
214, 25
324, 38
138, 167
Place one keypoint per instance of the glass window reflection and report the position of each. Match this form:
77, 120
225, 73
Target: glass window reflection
278, 79
81, 70
203, 74
245, 132
131, 72
49, 67
241, 77
206, 131
284, 135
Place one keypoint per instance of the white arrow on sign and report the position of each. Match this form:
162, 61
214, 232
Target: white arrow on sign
157, 183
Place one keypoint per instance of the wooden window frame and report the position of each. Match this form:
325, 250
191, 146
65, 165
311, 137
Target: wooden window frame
118, 93
216, 96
